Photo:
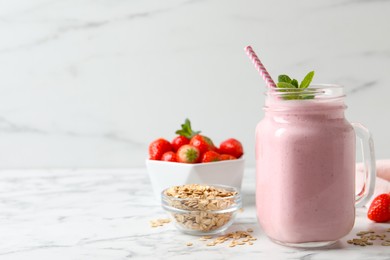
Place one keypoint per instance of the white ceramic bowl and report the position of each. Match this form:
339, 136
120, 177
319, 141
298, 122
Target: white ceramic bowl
166, 174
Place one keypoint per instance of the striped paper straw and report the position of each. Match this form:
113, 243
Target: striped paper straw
260, 67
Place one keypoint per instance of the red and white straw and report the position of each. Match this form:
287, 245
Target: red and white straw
260, 67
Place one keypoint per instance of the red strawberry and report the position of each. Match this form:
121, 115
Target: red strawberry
158, 147
210, 156
225, 157
203, 143
169, 157
231, 146
179, 141
188, 154
379, 210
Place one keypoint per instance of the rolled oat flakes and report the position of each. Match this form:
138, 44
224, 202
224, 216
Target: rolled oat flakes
201, 204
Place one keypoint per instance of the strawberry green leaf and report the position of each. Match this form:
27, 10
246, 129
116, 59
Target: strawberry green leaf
186, 130
307, 80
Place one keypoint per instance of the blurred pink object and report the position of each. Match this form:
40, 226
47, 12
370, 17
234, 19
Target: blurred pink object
382, 181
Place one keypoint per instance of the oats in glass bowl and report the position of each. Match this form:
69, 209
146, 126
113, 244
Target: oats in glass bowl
202, 209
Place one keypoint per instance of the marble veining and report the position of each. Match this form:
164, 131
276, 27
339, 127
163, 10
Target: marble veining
105, 214
363, 86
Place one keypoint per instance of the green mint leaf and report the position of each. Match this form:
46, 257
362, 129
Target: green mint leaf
295, 83
285, 85
293, 94
293, 90
307, 96
290, 97
307, 80
284, 78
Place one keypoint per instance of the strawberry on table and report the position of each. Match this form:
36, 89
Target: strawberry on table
158, 147
231, 146
178, 141
379, 210
210, 156
188, 154
169, 157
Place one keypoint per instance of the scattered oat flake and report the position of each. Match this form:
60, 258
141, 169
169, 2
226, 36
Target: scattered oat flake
235, 238
159, 222
189, 244
366, 238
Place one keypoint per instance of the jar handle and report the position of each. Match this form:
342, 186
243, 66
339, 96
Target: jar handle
367, 145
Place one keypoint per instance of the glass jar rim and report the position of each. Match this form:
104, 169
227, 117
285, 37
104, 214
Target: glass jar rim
317, 98
314, 91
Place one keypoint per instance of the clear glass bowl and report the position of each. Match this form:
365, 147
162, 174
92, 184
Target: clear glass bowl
203, 216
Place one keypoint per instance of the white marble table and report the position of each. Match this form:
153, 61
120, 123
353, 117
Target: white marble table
105, 214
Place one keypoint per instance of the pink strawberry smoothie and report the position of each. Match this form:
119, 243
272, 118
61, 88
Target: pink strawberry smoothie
305, 164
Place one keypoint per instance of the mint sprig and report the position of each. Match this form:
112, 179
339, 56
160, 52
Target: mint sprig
307, 80
286, 84
284, 78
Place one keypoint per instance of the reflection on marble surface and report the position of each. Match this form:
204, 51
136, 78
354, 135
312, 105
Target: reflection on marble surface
91, 83
105, 214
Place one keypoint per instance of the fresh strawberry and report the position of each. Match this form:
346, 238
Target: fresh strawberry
210, 156
225, 157
231, 146
158, 147
188, 154
379, 210
203, 143
169, 157
179, 141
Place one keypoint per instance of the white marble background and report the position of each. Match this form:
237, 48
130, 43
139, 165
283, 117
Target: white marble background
89, 83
